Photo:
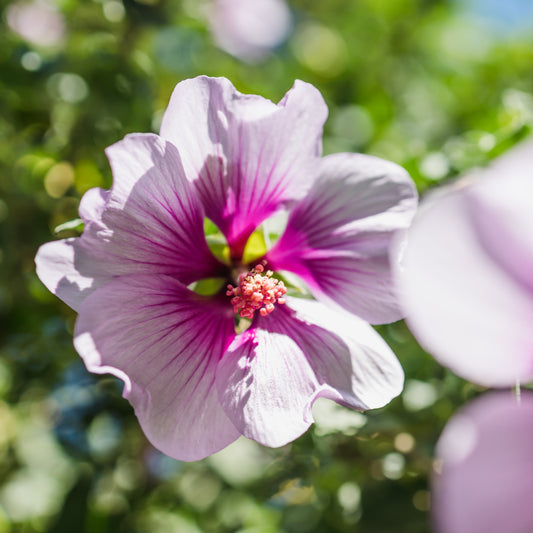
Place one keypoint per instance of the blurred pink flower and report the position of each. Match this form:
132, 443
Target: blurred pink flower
249, 29
195, 383
485, 456
39, 22
467, 277
467, 289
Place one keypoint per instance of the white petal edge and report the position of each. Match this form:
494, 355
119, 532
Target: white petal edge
271, 374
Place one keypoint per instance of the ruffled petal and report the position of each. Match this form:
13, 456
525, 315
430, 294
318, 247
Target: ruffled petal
353, 364
266, 386
272, 373
338, 237
486, 483
245, 154
462, 306
68, 267
150, 222
164, 342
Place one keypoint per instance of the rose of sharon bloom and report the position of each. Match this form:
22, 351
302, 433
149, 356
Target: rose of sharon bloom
196, 383
486, 456
249, 29
467, 277
467, 287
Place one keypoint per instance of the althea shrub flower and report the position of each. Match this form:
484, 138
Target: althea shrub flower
195, 381
466, 282
467, 287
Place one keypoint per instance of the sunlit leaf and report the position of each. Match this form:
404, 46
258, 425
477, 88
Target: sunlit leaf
72, 225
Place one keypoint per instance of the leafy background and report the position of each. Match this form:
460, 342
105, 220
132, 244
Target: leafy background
436, 86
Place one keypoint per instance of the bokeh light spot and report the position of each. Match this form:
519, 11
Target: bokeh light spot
59, 179
422, 500
434, 166
113, 11
393, 465
404, 442
418, 395
31, 61
70, 88
320, 49
349, 496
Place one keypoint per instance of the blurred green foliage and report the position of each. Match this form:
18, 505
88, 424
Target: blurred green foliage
421, 82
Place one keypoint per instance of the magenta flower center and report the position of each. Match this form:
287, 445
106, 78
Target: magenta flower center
257, 291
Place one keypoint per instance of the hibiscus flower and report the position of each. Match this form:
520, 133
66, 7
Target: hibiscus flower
467, 288
195, 381
466, 282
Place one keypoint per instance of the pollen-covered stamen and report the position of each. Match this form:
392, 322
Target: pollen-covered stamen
257, 291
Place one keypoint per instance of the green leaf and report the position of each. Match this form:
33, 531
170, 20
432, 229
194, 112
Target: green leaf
73, 225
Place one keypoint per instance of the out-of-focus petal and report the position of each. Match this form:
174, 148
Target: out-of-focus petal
338, 237
248, 29
501, 207
486, 483
246, 155
151, 222
164, 342
272, 373
462, 305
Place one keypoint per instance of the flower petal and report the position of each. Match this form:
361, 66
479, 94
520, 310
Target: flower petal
150, 222
505, 195
246, 155
165, 342
67, 267
486, 483
272, 373
461, 305
156, 218
266, 386
338, 237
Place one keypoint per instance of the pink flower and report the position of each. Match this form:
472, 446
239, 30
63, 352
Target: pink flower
249, 29
467, 282
467, 288
195, 383
486, 456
